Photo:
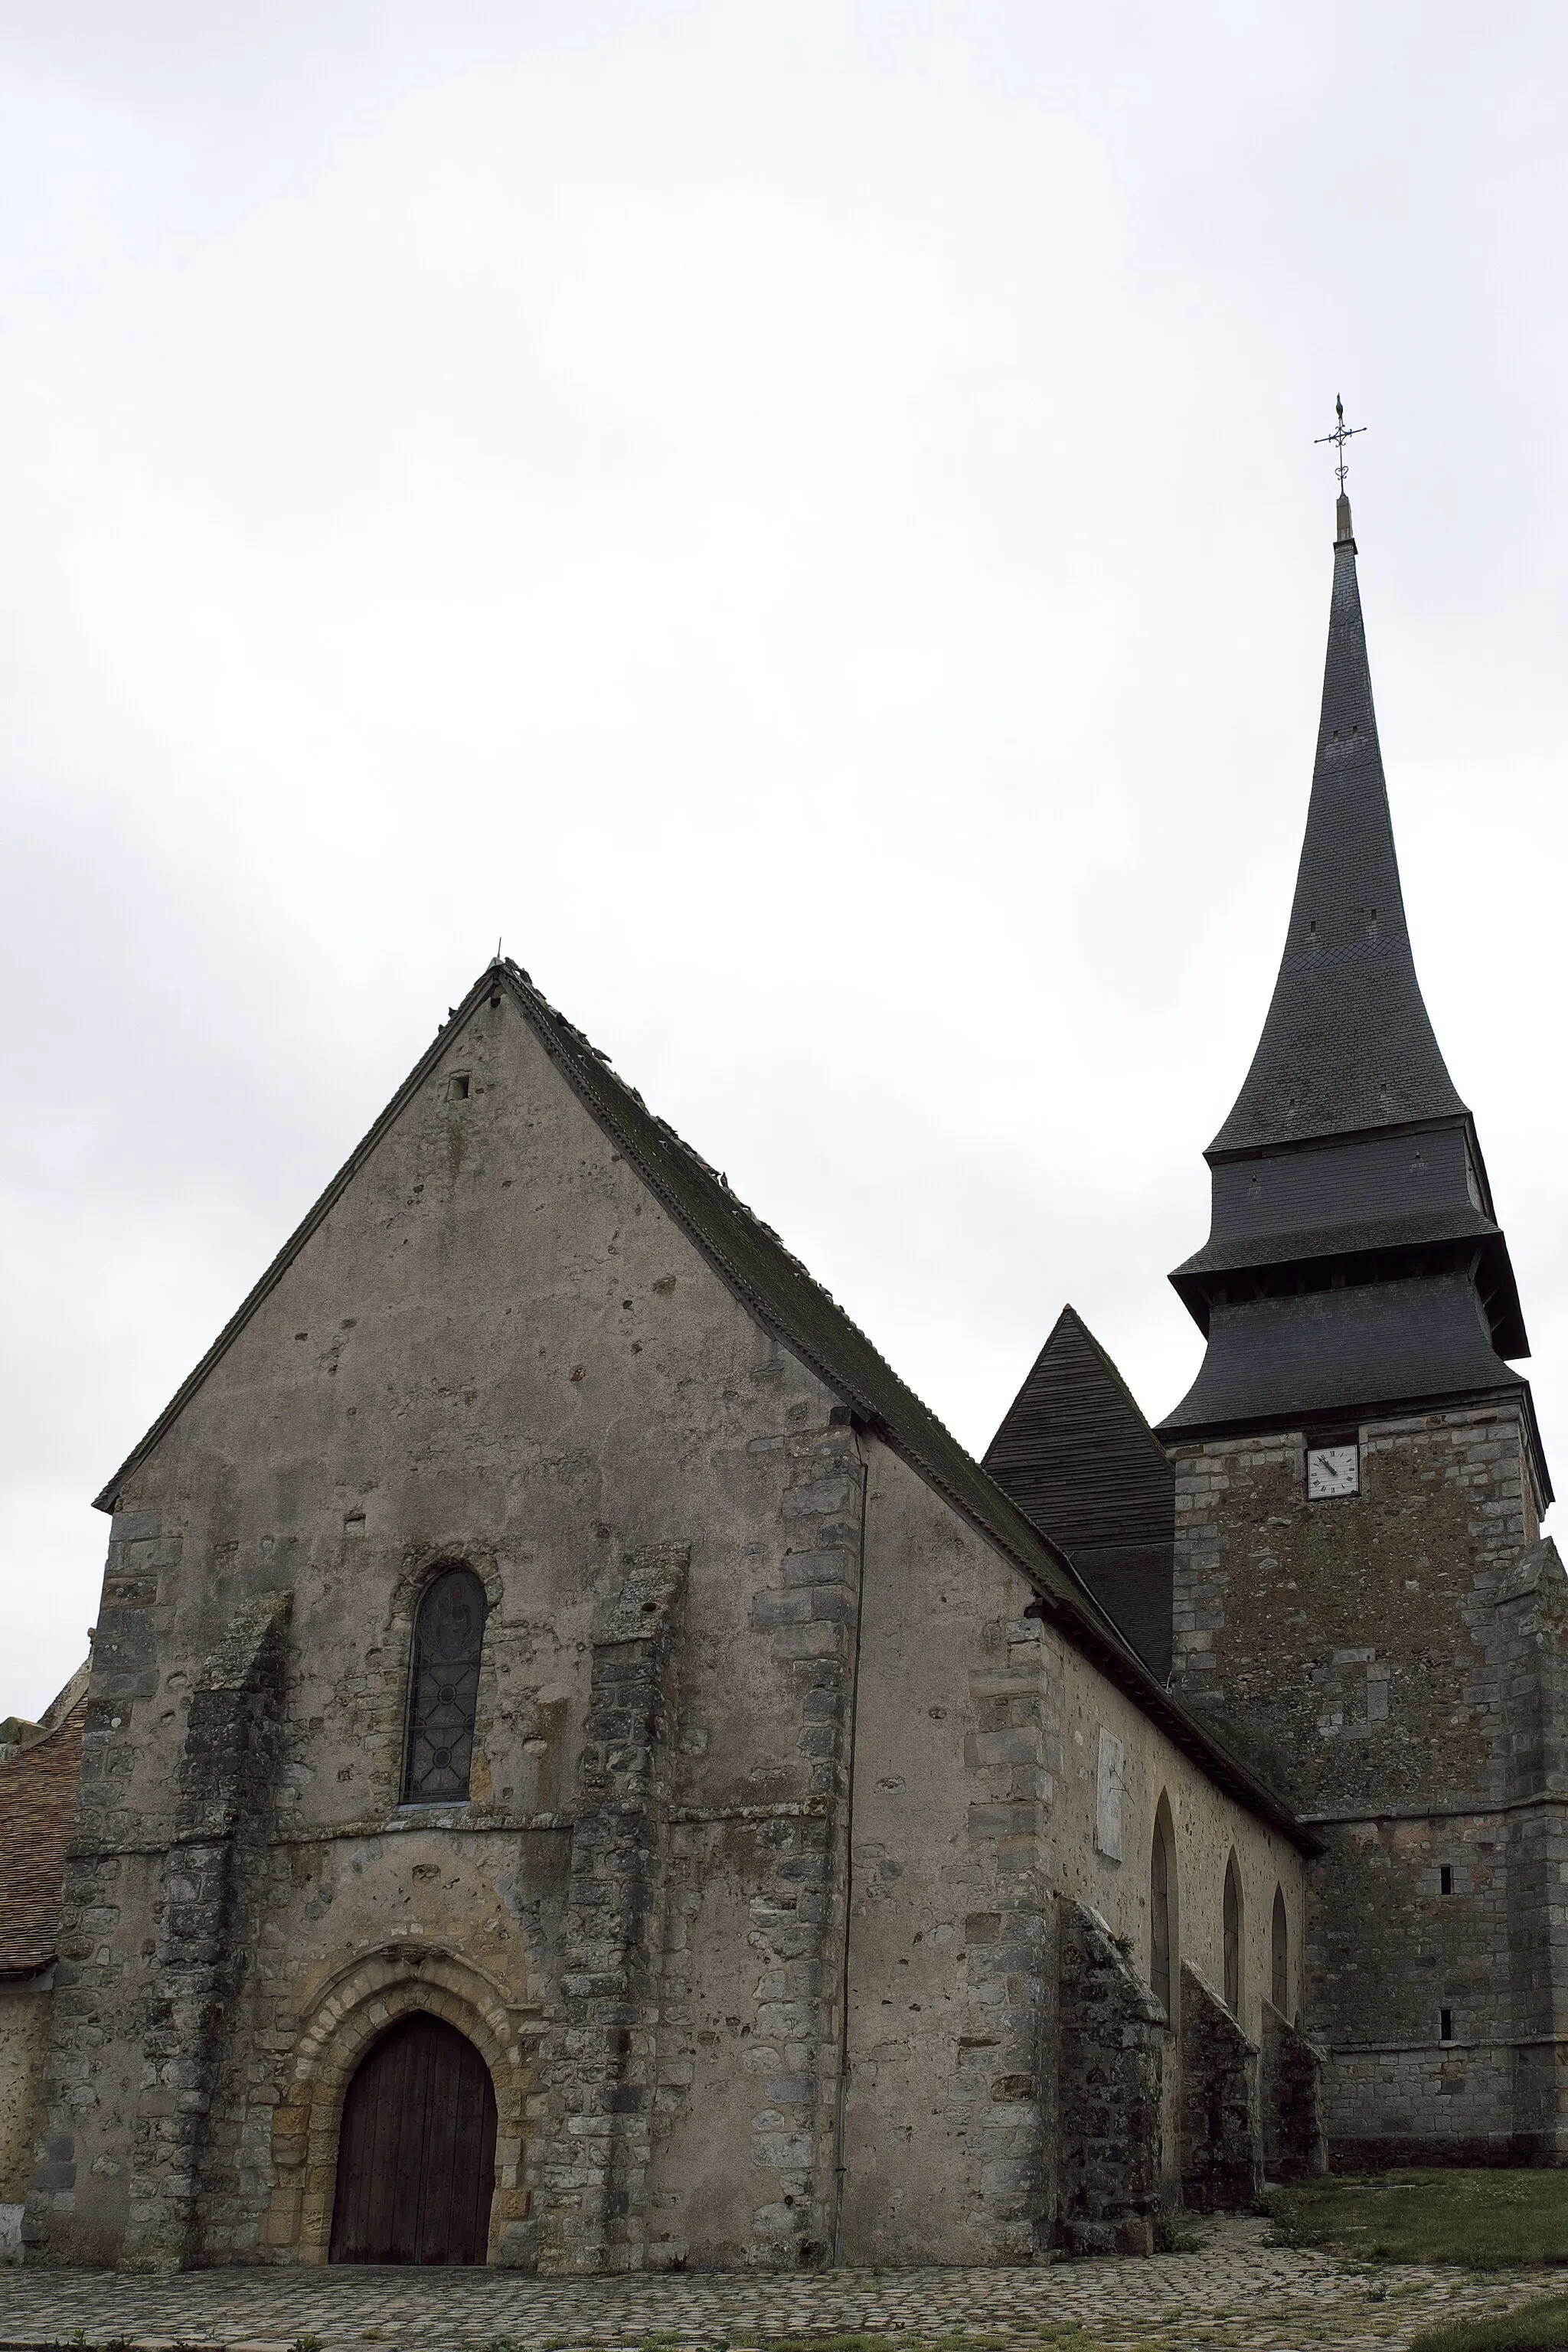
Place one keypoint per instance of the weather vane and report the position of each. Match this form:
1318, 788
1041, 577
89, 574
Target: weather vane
1339, 437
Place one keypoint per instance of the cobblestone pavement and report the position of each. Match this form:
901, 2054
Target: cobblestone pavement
1237, 2292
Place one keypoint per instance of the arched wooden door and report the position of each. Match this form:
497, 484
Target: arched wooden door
417, 2149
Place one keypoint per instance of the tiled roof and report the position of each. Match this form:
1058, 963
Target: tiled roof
38, 1814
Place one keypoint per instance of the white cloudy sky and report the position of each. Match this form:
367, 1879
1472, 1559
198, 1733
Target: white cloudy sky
803, 519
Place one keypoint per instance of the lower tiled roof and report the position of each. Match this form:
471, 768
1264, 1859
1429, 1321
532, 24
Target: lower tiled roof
38, 1814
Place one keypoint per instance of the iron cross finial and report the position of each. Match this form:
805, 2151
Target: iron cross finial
1339, 437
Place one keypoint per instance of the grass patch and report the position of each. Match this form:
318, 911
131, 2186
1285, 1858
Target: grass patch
1172, 2236
1540, 2325
910, 2340
1488, 2220
852, 2343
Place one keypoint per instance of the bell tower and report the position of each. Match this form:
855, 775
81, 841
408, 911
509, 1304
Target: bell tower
1361, 1595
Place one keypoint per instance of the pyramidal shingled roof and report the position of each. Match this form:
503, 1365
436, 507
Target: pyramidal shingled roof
1347, 1044
1075, 1452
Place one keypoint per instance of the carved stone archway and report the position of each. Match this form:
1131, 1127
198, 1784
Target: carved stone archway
340, 2021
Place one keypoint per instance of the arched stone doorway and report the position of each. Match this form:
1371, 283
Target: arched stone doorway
339, 2024
416, 2149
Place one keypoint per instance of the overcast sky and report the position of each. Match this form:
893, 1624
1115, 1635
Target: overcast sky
804, 520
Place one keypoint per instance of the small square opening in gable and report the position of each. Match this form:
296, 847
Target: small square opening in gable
458, 1086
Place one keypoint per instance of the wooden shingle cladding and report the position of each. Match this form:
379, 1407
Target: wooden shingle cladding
1076, 1456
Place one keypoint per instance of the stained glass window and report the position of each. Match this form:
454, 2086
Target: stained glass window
444, 1689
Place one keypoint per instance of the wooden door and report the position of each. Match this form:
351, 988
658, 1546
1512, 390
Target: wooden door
417, 2149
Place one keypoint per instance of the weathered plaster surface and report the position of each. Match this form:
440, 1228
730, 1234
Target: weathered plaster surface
23, 2039
974, 1812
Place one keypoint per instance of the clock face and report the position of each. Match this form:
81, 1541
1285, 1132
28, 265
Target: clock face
1333, 1470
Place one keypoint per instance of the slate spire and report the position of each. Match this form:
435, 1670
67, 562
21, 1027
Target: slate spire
1347, 1044
1353, 1263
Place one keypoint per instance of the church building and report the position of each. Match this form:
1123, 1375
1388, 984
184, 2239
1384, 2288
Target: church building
580, 1771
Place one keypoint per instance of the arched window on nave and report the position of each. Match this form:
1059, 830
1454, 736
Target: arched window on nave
1233, 1938
1162, 1889
1280, 1957
444, 1689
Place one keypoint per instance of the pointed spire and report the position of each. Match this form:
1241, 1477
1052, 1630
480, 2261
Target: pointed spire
1347, 1044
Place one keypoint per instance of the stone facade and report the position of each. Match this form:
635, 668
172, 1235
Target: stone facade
1395, 1660
789, 1762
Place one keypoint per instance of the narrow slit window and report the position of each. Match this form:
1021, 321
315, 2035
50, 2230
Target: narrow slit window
1160, 1937
1280, 1957
1446, 1878
1232, 1938
444, 1689
1446, 2025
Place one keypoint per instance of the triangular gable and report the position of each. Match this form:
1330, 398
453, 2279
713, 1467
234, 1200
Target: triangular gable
776, 1288
1075, 1453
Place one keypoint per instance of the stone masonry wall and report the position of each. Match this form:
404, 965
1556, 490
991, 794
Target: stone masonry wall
1222, 2131
601, 2070
498, 1348
24, 2046
949, 2120
979, 1822
188, 2014
1291, 2090
711, 2039
1381, 1657
757, 2061
1112, 2038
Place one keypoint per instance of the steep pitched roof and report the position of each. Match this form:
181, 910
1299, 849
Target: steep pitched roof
1347, 1044
1075, 1452
777, 1289
1077, 1457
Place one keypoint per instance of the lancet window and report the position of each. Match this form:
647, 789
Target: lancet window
444, 1689
1160, 1910
1232, 1938
1279, 1987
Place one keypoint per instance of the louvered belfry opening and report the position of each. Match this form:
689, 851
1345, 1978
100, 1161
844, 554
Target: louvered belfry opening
416, 2150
